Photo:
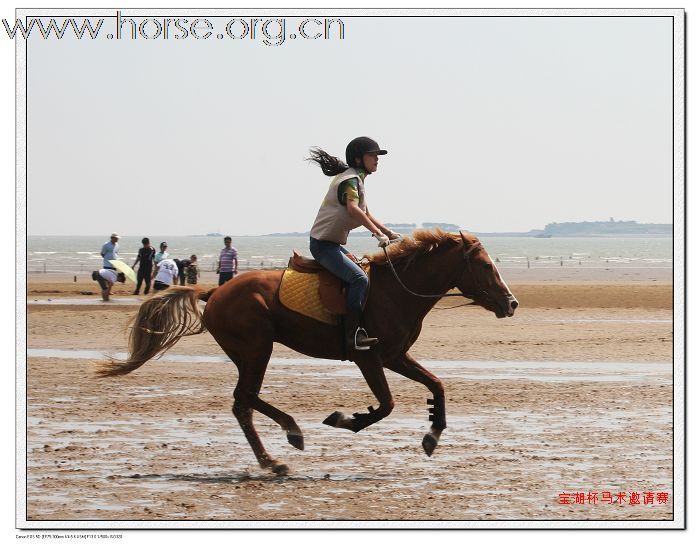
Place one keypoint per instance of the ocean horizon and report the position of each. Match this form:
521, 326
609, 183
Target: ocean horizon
81, 253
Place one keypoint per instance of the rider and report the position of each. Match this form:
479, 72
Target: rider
344, 208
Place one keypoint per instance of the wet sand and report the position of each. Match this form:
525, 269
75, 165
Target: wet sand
530, 418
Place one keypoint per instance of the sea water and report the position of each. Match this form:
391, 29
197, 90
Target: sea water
77, 254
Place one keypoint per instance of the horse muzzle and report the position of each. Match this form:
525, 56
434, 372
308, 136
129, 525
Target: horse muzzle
507, 306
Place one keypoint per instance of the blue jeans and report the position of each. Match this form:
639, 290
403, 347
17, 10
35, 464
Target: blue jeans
332, 256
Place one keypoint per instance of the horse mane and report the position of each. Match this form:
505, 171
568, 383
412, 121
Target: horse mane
420, 243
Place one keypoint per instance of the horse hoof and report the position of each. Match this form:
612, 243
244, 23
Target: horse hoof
429, 444
297, 441
280, 469
334, 419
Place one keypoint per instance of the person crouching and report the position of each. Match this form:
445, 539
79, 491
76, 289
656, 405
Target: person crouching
166, 274
106, 278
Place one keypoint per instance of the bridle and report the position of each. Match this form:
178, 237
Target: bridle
466, 254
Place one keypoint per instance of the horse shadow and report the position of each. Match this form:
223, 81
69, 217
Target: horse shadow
243, 477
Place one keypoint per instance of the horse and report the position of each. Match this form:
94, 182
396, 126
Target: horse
245, 317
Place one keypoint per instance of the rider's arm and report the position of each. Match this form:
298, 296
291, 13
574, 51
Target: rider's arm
380, 226
356, 213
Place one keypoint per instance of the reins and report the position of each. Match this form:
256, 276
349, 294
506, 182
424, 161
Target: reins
467, 254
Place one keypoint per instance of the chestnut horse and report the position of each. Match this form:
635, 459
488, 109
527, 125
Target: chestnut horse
245, 317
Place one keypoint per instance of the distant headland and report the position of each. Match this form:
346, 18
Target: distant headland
610, 228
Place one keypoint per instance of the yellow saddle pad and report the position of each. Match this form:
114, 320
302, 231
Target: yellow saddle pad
299, 292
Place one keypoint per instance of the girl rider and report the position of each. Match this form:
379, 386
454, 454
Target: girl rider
344, 208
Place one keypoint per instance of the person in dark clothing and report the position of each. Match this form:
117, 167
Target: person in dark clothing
182, 265
193, 270
145, 260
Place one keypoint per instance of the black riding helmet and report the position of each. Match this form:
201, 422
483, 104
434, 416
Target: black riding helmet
359, 146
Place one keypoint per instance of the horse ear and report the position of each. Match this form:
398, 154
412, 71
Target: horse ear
464, 239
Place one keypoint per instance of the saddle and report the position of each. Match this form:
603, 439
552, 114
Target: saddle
311, 290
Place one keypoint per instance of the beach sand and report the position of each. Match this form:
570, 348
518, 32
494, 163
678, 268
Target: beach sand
572, 395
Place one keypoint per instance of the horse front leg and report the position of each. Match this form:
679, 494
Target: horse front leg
408, 367
376, 380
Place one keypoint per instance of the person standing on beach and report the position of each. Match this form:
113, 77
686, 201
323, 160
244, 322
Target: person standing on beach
106, 279
192, 270
145, 259
163, 254
166, 274
227, 267
344, 208
110, 251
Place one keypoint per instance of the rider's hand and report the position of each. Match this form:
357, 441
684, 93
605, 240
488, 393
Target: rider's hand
395, 237
383, 239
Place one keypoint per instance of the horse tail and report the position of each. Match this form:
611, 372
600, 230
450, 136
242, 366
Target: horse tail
205, 295
160, 322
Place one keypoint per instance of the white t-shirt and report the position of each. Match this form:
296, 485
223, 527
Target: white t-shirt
109, 274
167, 271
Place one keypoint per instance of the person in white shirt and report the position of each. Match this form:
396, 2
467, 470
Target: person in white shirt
166, 274
106, 279
110, 251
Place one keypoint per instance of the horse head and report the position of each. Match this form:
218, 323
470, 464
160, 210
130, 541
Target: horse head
481, 281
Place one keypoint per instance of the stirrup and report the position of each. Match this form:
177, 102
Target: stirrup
371, 341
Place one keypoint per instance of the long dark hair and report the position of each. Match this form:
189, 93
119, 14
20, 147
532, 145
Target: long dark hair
330, 165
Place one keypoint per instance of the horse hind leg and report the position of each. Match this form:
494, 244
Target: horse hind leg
244, 414
286, 422
246, 399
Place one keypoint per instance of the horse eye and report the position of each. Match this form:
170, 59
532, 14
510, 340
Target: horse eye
488, 266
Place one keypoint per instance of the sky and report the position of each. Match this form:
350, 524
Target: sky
491, 123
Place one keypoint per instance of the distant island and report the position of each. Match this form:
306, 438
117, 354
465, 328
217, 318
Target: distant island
403, 228
609, 228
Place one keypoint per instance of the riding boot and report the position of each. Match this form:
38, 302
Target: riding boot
356, 336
